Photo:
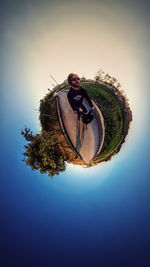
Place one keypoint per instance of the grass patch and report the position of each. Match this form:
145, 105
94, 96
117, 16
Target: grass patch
113, 113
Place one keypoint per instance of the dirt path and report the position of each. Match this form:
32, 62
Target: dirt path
86, 140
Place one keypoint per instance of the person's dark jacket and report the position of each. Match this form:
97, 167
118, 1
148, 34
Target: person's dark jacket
75, 98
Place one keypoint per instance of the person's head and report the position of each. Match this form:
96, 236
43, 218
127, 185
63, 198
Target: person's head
74, 80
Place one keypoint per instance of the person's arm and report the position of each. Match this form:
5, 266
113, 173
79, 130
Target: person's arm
85, 95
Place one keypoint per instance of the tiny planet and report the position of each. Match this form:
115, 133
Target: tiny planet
83, 122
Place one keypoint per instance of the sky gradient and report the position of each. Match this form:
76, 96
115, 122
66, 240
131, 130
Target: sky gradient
83, 217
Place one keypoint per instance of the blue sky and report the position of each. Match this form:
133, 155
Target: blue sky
83, 217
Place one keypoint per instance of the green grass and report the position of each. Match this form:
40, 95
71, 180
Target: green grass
114, 116
46, 116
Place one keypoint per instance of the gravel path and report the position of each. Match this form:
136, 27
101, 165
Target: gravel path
86, 140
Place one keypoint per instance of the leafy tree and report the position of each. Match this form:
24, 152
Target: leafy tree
42, 152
